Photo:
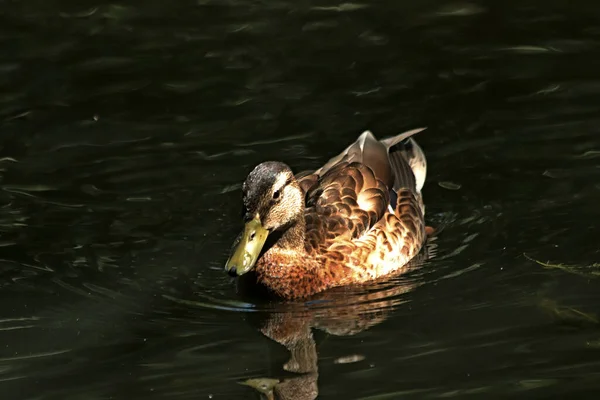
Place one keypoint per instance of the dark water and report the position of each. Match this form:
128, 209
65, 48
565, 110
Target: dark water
126, 132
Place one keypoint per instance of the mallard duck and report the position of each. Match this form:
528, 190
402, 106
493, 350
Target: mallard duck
358, 218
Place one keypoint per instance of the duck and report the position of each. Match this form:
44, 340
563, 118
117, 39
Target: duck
357, 219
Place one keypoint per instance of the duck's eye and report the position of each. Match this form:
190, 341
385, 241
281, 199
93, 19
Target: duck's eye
276, 194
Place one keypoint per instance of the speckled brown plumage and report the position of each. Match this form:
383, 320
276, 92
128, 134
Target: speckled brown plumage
363, 219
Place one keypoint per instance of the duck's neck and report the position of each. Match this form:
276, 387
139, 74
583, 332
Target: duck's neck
293, 237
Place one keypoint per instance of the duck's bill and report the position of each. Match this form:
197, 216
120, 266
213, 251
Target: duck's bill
246, 251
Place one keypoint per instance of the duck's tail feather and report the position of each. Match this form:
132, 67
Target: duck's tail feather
403, 174
407, 160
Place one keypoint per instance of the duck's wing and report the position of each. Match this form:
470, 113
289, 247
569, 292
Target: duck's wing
353, 190
383, 157
344, 205
365, 150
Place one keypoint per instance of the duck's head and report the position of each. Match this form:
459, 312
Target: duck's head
273, 201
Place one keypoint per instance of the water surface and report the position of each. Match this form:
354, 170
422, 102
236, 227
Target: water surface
126, 131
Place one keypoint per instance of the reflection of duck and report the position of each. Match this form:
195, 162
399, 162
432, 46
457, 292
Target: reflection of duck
342, 311
354, 220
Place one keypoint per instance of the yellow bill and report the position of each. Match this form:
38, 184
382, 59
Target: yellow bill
246, 251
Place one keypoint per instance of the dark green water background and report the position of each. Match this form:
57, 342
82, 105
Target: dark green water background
126, 131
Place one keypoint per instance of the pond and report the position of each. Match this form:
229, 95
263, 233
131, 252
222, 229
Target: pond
127, 130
